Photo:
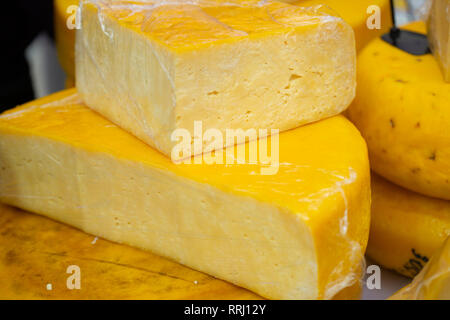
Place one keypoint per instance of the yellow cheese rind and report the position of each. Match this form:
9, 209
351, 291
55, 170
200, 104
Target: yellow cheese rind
433, 282
356, 14
402, 108
234, 65
299, 234
439, 34
406, 228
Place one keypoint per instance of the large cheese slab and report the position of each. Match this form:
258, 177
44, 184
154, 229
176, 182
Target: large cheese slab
439, 34
153, 68
298, 234
30, 262
402, 108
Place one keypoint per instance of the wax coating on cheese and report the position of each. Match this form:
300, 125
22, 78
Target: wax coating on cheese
299, 234
155, 68
402, 108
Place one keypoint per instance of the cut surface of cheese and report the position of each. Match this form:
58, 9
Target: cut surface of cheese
439, 34
406, 228
65, 37
402, 108
37, 251
299, 234
156, 68
433, 282
358, 14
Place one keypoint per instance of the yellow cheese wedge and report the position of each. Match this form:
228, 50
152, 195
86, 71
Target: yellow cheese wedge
65, 37
357, 13
406, 228
299, 234
439, 34
153, 69
108, 270
433, 282
402, 108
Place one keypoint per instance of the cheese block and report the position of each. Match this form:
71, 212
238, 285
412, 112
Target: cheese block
402, 108
358, 14
65, 37
156, 68
406, 228
108, 270
439, 34
298, 234
433, 282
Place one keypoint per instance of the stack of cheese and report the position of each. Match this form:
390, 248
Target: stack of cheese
402, 108
356, 13
295, 227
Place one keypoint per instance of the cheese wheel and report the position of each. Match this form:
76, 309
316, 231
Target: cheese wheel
406, 228
298, 234
402, 108
357, 14
433, 282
